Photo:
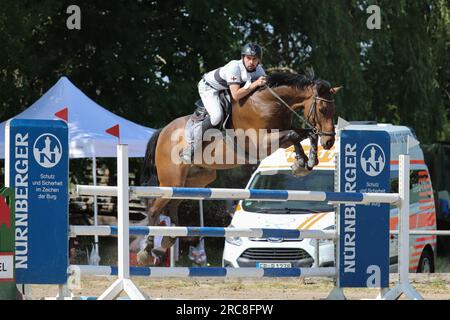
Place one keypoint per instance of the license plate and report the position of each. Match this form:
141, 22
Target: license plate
274, 265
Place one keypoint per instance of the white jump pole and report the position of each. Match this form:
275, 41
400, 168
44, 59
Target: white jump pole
403, 286
172, 253
122, 191
123, 283
202, 221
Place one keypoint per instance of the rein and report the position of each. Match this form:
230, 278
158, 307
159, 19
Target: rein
312, 112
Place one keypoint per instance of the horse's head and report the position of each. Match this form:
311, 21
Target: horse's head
315, 97
319, 110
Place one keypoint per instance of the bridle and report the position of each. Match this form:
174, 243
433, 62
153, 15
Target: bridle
312, 113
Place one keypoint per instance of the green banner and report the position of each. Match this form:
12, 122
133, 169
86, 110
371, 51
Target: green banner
7, 245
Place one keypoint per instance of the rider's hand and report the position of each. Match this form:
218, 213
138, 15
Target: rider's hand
260, 82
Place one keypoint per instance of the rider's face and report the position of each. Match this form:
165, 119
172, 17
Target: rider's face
251, 62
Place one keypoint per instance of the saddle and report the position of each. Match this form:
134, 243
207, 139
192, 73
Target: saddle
194, 128
200, 113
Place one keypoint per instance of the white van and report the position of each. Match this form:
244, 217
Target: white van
274, 173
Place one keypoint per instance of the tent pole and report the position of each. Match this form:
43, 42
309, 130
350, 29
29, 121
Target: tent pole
94, 178
202, 222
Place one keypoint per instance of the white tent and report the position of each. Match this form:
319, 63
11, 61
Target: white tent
87, 123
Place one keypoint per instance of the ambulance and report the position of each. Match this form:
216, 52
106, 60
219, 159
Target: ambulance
274, 172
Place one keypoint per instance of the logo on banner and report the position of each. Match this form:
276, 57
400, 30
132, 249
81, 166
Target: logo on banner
47, 150
373, 160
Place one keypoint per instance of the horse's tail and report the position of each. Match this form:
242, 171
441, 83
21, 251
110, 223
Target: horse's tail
149, 174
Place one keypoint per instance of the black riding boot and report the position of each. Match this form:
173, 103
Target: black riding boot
188, 153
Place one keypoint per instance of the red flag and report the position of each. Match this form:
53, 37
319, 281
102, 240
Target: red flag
63, 114
115, 131
5, 214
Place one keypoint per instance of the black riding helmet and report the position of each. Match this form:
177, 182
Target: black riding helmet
252, 49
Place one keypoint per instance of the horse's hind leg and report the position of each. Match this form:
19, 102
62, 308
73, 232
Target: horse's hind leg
173, 176
199, 179
171, 210
155, 207
168, 241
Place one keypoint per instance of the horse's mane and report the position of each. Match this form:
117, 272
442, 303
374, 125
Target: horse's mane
299, 81
279, 79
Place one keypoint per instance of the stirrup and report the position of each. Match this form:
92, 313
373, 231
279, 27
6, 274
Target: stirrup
186, 155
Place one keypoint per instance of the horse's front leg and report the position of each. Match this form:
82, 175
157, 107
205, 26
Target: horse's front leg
294, 137
313, 160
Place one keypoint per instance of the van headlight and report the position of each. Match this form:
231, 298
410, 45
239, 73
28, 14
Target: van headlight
323, 242
236, 241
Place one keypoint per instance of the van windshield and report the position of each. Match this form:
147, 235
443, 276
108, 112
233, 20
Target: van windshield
317, 180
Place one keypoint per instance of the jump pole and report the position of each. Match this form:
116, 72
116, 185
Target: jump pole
403, 286
94, 180
123, 283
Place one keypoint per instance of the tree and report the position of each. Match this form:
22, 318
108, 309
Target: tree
143, 59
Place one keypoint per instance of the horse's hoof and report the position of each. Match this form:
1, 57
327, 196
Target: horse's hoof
144, 258
312, 163
301, 172
159, 257
300, 162
298, 170
155, 258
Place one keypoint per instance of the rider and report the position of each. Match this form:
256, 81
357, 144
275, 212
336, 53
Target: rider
241, 77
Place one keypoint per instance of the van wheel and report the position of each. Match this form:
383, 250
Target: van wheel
426, 264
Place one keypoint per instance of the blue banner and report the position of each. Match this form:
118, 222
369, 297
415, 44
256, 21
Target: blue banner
364, 229
37, 164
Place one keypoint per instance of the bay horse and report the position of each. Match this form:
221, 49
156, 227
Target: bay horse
271, 108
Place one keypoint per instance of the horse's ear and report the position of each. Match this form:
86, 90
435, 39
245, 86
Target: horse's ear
335, 89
